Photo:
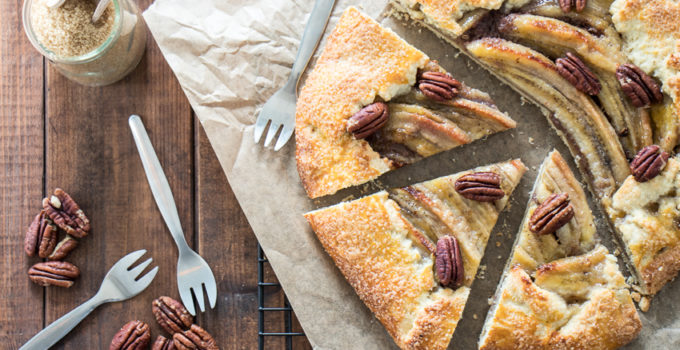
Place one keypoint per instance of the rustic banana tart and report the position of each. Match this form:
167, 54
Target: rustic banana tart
412, 253
374, 103
586, 63
560, 289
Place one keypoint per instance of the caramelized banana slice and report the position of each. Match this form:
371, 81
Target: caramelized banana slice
577, 119
666, 124
555, 38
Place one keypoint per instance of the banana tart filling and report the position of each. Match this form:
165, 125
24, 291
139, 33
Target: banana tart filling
374, 103
560, 288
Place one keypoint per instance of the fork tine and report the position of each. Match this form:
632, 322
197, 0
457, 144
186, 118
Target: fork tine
185, 295
286, 132
139, 268
260, 126
198, 292
273, 128
211, 290
145, 280
129, 259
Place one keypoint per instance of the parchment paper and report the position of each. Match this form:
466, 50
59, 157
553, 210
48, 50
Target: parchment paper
231, 56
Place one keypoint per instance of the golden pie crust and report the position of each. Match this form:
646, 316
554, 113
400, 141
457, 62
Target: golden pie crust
378, 250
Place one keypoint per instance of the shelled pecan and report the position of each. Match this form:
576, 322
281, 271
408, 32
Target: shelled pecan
480, 186
438, 86
648, 163
642, 89
55, 273
163, 343
368, 120
578, 74
64, 211
171, 315
567, 5
552, 214
449, 263
63, 248
194, 338
134, 335
41, 237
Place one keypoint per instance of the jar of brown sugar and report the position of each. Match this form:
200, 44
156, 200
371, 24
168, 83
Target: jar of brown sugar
89, 53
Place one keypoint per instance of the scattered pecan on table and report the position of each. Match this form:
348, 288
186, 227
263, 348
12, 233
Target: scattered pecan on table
41, 237
64, 211
134, 335
171, 315
194, 338
54, 273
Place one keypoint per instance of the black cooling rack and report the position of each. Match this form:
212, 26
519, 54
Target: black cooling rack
263, 311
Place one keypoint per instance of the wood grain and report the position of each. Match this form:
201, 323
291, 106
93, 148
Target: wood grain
21, 179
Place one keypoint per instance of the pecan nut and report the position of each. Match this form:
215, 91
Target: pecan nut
648, 163
64, 211
578, 74
552, 214
194, 338
54, 273
171, 315
481, 186
368, 120
163, 343
641, 89
449, 263
567, 5
41, 237
134, 335
438, 86
63, 248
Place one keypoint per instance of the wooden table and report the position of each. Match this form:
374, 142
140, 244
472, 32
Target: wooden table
55, 133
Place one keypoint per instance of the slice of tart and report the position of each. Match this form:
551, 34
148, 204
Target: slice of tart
647, 213
374, 103
560, 289
567, 57
412, 253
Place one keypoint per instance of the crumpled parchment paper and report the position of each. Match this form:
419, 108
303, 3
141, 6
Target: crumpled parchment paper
231, 56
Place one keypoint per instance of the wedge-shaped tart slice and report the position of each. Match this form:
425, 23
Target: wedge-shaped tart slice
373, 103
412, 253
560, 289
568, 58
648, 216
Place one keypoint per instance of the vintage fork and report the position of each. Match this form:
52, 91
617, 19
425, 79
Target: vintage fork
193, 273
120, 283
280, 108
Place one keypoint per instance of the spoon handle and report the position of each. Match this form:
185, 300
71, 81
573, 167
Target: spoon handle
99, 11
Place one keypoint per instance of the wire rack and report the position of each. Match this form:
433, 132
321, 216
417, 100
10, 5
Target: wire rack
263, 310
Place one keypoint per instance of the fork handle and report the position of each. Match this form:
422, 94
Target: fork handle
310, 39
59, 328
158, 182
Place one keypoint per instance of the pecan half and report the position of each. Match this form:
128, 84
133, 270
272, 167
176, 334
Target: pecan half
648, 163
54, 273
578, 74
171, 315
163, 343
41, 236
64, 248
368, 120
194, 338
552, 214
578, 5
64, 211
449, 263
481, 186
135, 335
642, 89
438, 86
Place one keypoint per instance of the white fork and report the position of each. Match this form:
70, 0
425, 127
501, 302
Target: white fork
280, 108
193, 273
120, 283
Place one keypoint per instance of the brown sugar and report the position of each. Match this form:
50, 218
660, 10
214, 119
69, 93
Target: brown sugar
68, 31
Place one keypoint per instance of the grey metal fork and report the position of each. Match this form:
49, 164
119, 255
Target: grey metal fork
193, 273
280, 108
120, 283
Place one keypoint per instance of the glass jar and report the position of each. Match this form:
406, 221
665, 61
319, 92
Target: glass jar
109, 61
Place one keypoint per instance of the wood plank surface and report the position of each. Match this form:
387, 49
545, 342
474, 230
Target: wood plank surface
21, 180
56, 133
